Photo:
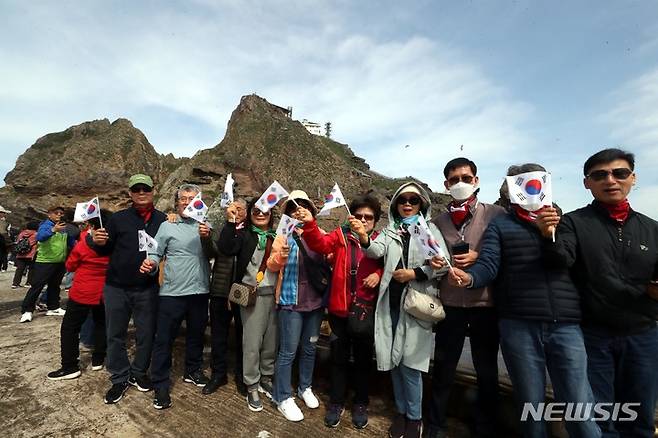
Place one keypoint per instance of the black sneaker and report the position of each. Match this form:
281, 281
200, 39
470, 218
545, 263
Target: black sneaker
62, 374
253, 400
116, 393
360, 415
265, 387
196, 378
97, 364
216, 382
398, 426
162, 400
332, 417
143, 384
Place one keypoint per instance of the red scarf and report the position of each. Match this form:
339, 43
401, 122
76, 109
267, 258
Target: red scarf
525, 215
618, 212
459, 213
145, 212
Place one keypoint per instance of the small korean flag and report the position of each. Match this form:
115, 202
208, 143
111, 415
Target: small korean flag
334, 199
271, 197
286, 226
196, 209
146, 242
530, 190
227, 195
86, 210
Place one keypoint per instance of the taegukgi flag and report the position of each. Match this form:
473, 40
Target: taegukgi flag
227, 195
196, 209
271, 197
146, 242
421, 232
334, 199
530, 190
286, 226
87, 210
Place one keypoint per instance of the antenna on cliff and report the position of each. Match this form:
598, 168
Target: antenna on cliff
327, 129
290, 112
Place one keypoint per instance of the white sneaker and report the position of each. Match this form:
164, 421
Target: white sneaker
57, 312
309, 398
26, 317
289, 409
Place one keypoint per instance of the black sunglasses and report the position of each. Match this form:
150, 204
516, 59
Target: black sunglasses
257, 212
618, 173
464, 178
414, 200
367, 217
141, 188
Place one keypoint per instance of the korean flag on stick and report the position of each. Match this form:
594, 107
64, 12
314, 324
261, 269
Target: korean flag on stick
531, 190
421, 232
334, 199
227, 195
146, 242
286, 226
271, 197
87, 210
196, 209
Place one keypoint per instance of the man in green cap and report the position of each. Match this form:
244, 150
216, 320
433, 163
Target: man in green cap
127, 291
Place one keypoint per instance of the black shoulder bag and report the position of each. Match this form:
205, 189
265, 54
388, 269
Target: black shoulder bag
360, 312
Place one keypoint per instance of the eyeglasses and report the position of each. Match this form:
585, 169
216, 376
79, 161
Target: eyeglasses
141, 188
463, 178
186, 198
367, 217
414, 200
257, 212
621, 173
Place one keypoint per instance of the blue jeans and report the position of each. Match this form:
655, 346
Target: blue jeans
407, 382
625, 369
295, 328
529, 349
87, 331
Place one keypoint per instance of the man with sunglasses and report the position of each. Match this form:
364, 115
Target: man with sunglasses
612, 251
468, 312
129, 292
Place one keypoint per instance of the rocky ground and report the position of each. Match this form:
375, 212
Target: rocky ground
31, 405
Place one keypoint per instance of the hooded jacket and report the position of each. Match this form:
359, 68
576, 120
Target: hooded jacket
412, 344
90, 270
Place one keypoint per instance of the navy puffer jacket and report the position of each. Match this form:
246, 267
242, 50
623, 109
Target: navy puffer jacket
526, 285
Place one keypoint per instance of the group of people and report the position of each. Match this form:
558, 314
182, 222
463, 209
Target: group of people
573, 295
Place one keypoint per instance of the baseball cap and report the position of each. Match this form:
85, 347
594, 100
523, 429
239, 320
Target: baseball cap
140, 178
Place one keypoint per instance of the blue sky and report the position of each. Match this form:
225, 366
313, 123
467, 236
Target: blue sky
511, 81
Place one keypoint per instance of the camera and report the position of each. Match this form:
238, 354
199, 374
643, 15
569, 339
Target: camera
460, 248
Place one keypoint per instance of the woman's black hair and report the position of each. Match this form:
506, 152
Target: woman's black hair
368, 201
251, 204
290, 206
32, 225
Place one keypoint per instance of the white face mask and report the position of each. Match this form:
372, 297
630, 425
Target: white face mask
461, 190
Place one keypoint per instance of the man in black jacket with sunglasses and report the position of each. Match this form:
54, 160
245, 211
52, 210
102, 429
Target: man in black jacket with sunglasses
612, 251
128, 292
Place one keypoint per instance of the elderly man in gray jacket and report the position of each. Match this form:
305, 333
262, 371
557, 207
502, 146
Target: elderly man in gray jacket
183, 295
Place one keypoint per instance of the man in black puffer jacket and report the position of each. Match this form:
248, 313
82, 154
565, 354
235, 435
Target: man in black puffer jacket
222, 311
539, 316
613, 255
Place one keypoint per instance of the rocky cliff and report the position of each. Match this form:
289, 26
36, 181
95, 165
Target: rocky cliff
261, 144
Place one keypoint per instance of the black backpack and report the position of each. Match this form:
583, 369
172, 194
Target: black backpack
23, 246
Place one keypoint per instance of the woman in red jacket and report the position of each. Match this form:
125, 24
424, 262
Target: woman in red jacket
351, 306
85, 295
25, 258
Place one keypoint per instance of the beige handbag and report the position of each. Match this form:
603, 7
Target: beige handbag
422, 306
245, 294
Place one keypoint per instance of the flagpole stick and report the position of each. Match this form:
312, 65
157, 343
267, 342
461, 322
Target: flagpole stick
553, 234
348, 210
100, 218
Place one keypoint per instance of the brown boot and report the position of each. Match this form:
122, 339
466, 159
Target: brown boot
413, 429
397, 427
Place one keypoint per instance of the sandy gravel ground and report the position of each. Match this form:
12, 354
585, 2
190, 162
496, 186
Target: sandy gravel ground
31, 405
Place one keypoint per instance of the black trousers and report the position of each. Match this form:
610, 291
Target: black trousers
21, 266
171, 312
342, 344
222, 311
50, 274
75, 316
4, 262
480, 324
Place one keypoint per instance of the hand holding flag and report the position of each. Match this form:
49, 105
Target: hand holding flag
146, 242
530, 190
421, 232
286, 226
274, 193
196, 209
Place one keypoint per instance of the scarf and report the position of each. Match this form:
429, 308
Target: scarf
459, 213
403, 223
145, 212
618, 212
262, 236
525, 215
